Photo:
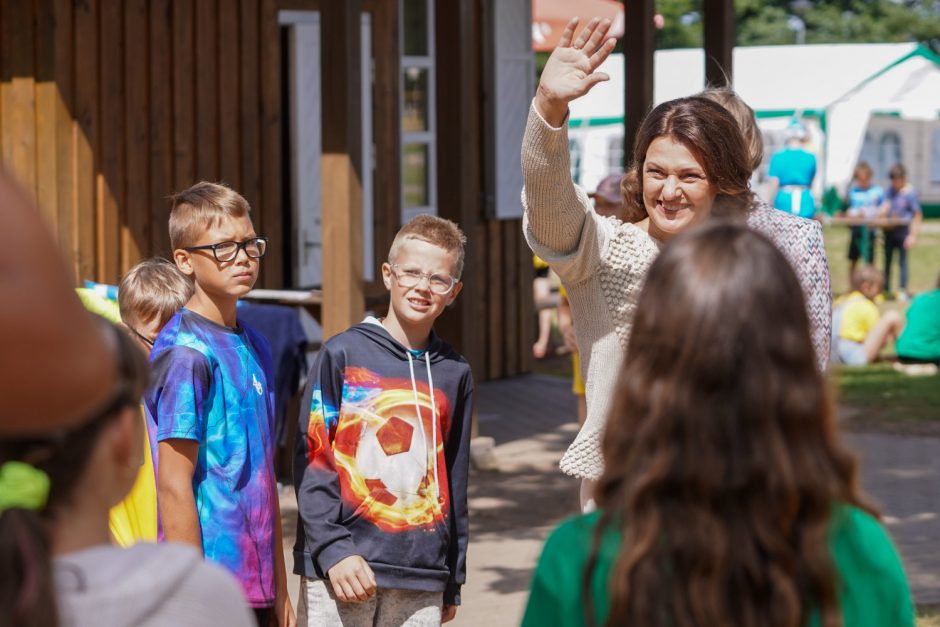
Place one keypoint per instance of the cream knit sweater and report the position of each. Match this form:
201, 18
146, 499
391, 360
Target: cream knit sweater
603, 262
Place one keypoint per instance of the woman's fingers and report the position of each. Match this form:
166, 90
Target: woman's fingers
568, 33
585, 34
602, 53
596, 40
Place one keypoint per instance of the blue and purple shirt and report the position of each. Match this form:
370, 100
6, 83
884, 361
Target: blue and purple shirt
213, 384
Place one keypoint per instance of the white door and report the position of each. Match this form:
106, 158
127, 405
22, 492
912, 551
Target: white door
306, 144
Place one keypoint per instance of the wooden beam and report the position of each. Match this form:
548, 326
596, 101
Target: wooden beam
17, 92
161, 124
135, 231
184, 94
638, 48
269, 211
719, 41
87, 78
110, 180
66, 169
341, 166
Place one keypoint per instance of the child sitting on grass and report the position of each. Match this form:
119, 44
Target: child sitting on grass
919, 343
859, 330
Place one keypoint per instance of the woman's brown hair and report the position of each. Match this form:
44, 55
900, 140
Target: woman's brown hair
722, 462
27, 591
711, 134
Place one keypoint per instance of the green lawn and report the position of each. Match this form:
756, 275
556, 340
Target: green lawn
876, 393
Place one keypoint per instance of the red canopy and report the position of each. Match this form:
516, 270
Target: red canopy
550, 16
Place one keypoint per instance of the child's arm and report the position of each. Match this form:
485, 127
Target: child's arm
457, 457
177, 462
319, 498
282, 606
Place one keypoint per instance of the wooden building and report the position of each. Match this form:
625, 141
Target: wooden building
336, 119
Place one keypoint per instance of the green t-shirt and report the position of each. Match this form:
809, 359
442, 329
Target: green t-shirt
920, 338
874, 590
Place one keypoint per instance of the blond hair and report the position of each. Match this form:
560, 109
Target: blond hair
153, 289
433, 230
867, 274
200, 207
744, 116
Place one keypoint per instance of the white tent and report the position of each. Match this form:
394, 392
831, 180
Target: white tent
841, 84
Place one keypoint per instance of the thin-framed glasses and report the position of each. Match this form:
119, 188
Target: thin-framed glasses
254, 247
438, 283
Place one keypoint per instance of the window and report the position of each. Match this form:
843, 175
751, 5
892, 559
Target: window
889, 153
418, 120
614, 155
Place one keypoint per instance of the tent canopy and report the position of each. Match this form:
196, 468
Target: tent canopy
770, 79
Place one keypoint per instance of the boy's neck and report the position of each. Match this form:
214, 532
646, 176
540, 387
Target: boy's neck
410, 336
220, 311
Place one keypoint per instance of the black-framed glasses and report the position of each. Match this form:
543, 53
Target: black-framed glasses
254, 247
439, 283
140, 336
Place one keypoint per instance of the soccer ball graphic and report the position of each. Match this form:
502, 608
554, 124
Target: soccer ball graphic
393, 459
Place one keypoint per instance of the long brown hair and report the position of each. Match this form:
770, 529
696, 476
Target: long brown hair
27, 592
711, 134
722, 461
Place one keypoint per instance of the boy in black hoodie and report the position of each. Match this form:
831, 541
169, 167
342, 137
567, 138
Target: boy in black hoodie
381, 464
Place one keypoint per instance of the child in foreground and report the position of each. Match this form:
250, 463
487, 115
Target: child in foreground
58, 563
381, 465
210, 408
859, 329
726, 497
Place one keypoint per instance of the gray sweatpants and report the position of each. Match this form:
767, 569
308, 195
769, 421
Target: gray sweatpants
389, 607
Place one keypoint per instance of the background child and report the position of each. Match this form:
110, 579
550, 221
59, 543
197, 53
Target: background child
149, 294
859, 330
210, 408
381, 467
920, 339
864, 200
55, 493
726, 497
900, 202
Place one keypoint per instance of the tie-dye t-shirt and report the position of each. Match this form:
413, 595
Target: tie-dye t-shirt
213, 384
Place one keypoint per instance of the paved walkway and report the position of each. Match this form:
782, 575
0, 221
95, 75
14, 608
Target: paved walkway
513, 509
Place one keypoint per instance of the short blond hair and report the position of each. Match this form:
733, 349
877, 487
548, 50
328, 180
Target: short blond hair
153, 289
744, 116
200, 207
867, 274
433, 230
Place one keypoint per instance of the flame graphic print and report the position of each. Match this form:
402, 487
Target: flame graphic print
382, 447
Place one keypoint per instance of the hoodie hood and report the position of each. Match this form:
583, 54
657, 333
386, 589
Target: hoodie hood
107, 585
437, 349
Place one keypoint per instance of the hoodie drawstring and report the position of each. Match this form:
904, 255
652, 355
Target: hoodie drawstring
424, 435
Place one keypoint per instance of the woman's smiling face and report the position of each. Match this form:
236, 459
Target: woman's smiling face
676, 191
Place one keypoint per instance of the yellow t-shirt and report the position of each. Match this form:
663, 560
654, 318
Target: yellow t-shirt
859, 316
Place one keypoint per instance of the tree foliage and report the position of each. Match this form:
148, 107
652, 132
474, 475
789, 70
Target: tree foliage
769, 22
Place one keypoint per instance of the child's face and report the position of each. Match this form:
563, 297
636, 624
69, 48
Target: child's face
864, 179
145, 333
225, 280
898, 182
420, 304
871, 289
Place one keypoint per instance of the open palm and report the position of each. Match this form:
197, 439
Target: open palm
570, 71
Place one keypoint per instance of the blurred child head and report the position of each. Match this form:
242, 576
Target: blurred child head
721, 456
90, 468
863, 174
744, 116
608, 199
149, 295
898, 176
214, 241
423, 271
868, 280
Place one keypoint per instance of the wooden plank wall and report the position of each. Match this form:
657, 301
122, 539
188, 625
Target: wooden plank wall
108, 106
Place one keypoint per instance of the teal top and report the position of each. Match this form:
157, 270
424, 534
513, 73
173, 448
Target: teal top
873, 592
920, 338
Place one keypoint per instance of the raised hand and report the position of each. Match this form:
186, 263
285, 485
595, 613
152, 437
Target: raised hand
570, 71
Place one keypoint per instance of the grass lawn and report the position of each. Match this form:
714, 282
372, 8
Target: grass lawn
876, 393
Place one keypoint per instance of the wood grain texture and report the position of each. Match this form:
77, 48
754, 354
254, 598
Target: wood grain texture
161, 181
110, 180
86, 114
135, 231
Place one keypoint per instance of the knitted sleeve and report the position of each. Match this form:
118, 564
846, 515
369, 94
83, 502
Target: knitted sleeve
559, 223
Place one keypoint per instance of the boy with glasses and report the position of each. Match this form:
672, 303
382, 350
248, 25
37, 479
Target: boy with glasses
381, 465
210, 408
